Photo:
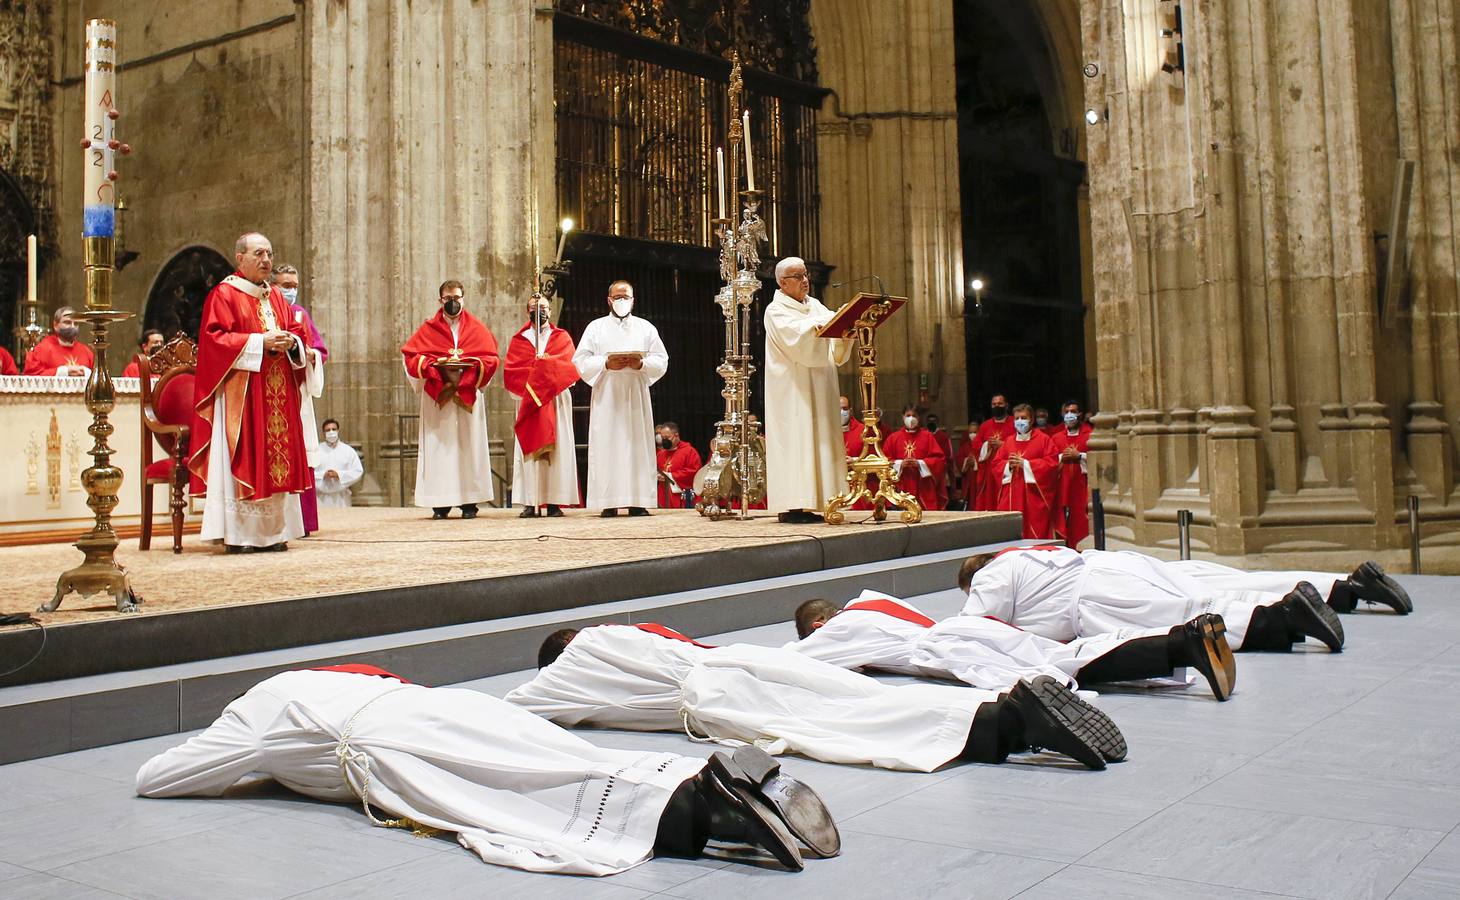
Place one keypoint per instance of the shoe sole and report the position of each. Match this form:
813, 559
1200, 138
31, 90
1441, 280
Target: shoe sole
1214, 658
1375, 581
1315, 618
762, 822
1056, 719
799, 807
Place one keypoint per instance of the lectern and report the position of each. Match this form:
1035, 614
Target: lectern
859, 321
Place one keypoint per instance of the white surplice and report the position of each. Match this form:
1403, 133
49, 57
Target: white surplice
453, 463
517, 790
554, 479
806, 462
621, 460
861, 637
1063, 594
1225, 578
618, 676
345, 462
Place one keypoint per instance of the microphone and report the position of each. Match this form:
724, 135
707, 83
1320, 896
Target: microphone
880, 287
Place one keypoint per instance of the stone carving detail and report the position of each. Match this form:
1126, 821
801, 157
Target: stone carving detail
32, 464
53, 464
25, 117
73, 455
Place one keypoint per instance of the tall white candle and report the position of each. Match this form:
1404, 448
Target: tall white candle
99, 203
566, 225
720, 179
749, 166
30, 269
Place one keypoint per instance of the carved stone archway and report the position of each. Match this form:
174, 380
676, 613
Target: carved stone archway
175, 303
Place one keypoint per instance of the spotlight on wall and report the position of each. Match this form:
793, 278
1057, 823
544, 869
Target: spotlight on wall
976, 284
1091, 70
1092, 117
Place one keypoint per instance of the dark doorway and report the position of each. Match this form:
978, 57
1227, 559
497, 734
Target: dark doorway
1020, 196
175, 304
17, 221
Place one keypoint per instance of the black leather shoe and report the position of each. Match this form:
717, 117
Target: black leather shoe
232, 549
528, 512
1306, 612
440, 512
608, 514
740, 814
469, 511
1371, 584
794, 802
555, 511
1056, 719
275, 548
638, 511
1207, 651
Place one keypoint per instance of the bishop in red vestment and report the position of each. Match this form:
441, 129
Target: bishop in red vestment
917, 459
60, 352
249, 453
1026, 468
539, 372
1072, 496
992, 434
677, 461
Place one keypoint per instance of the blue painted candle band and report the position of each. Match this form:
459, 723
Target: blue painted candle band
99, 220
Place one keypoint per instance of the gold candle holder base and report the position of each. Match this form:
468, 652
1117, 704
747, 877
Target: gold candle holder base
99, 572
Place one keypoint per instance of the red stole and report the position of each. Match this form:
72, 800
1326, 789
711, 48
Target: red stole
50, 354
433, 341
987, 497
1033, 500
264, 432
538, 380
359, 669
1073, 489
681, 463
909, 446
665, 632
896, 610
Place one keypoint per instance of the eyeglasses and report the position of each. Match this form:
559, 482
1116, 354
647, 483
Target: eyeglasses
802, 277
452, 296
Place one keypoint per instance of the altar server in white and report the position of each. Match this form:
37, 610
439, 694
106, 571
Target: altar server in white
338, 468
650, 678
882, 632
1062, 594
806, 463
620, 356
515, 789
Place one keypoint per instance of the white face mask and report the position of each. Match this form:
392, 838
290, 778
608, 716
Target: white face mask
1022, 425
910, 421
846, 416
291, 295
1071, 418
331, 436
622, 306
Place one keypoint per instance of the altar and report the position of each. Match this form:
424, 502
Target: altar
44, 420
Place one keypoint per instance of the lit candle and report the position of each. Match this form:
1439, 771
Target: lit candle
99, 203
30, 269
567, 226
749, 168
719, 179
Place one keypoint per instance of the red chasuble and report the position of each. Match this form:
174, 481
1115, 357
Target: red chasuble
914, 445
1073, 490
132, 370
50, 354
538, 380
432, 342
7, 363
265, 434
987, 497
1033, 500
681, 463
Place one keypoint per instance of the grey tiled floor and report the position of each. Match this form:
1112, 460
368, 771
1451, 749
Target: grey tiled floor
1325, 776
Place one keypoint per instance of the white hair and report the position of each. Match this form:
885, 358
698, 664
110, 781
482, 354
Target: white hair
787, 265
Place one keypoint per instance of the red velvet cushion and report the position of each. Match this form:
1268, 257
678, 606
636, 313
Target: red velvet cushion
174, 404
160, 470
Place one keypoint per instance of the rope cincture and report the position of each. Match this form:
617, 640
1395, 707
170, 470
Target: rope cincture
345, 754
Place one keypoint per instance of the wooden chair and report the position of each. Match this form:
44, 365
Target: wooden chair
167, 418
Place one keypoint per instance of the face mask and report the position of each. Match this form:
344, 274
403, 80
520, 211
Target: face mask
291, 295
331, 436
846, 416
910, 421
1041, 421
1022, 426
68, 332
1071, 419
538, 315
659, 440
1000, 411
623, 306
932, 424
452, 307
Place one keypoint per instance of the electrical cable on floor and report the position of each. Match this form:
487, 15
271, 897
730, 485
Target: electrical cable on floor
35, 656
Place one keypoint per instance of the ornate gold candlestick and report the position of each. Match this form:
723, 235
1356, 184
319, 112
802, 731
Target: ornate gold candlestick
99, 572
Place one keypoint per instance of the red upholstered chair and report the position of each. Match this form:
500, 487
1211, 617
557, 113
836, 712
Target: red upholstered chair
167, 417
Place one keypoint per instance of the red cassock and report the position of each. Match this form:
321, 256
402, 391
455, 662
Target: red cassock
7, 363
681, 463
944, 441
433, 341
264, 432
132, 370
987, 497
538, 380
50, 354
1033, 500
914, 445
967, 470
852, 437
1073, 492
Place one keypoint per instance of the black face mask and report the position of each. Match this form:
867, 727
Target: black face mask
1000, 411
452, 307
932, 424
539, 316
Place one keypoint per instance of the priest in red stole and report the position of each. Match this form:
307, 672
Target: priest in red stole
249, 453
1026, 468
677, 462
61, 352
150, 343
1072, 497
453, 465
538, 373
917, 459
995, 431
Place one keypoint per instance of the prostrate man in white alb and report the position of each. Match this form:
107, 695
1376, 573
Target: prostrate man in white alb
620, 356
515, 789
338, 468
806, 463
